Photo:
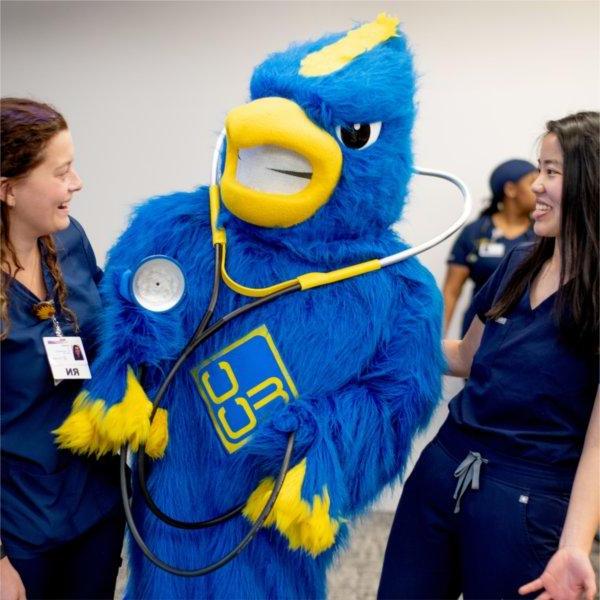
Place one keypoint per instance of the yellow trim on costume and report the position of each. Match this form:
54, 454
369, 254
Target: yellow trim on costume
80, 431
217, 419
282, 123
158, 438
129, 419
91, 429
306, 526
336, 56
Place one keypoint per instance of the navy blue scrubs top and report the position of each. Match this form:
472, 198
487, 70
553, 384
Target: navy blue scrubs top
49, 496
529, 394
472, 249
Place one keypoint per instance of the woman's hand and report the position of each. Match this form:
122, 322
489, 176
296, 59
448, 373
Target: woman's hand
568, 576
11, 586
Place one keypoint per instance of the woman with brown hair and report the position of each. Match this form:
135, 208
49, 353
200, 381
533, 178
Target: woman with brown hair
61, 521
504, 501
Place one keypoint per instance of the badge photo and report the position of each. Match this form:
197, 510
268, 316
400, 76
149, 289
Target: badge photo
67, 359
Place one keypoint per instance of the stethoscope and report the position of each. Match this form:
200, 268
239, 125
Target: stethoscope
141, 285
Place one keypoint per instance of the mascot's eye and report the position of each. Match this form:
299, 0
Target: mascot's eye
359, 135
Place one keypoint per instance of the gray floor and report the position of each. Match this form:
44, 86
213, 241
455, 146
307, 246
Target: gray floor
356, 574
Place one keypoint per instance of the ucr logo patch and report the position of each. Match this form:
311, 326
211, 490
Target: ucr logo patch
242, 385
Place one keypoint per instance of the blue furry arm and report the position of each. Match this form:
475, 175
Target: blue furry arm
353, 442
395, 397
113, 409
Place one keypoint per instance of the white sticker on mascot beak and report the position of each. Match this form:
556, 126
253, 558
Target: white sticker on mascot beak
157, 284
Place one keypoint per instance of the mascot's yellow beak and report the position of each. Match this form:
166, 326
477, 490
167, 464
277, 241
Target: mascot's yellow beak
280, 167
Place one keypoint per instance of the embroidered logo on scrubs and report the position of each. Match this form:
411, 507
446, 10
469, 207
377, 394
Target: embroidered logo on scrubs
242, 384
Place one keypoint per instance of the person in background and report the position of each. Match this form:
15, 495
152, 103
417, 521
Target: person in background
61, 523
505, 499
482, 244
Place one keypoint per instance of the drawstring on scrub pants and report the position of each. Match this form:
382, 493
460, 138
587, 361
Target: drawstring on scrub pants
468, 473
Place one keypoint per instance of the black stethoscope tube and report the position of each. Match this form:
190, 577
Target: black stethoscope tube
189, 347
228, 557
200, 335
176, 522
158, 398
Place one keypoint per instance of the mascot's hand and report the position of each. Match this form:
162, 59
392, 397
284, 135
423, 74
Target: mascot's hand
306, 524
94, 428
303, 510
265, 450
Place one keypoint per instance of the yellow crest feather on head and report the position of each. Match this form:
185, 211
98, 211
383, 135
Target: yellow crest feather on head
335, 56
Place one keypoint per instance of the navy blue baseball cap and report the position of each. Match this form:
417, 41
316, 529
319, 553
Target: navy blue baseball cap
511, 170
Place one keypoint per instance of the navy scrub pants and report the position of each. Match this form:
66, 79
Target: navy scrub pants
502, 536
84, 568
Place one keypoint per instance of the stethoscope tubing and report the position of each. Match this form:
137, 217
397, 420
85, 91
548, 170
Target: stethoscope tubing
404, 254
229, 556
141, 462
467, 206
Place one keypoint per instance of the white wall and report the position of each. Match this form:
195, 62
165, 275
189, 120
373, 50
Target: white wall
145, 87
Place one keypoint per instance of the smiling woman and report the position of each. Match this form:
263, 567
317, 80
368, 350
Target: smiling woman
45, 193
519, 454
548, 188
59, 512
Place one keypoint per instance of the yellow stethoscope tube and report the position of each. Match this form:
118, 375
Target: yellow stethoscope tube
317, 279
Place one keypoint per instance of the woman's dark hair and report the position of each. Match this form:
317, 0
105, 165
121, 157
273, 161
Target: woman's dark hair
26, 127
576, 306
512, 170
492, 208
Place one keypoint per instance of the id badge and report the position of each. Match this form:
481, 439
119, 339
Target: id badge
492, 250
67, 358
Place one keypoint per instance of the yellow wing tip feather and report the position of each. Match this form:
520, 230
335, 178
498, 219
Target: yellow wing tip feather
306, 527
80, 432
91, 429
158, 438
335, 56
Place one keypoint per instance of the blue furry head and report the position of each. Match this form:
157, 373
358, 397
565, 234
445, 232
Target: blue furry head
376, 86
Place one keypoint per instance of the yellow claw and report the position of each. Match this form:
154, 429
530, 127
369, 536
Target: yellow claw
79, 433
307, 527
91, 429
158, 438
129, 419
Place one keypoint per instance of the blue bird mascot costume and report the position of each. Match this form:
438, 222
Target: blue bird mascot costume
315, 172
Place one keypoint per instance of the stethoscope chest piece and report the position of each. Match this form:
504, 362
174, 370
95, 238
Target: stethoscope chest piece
157, 284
